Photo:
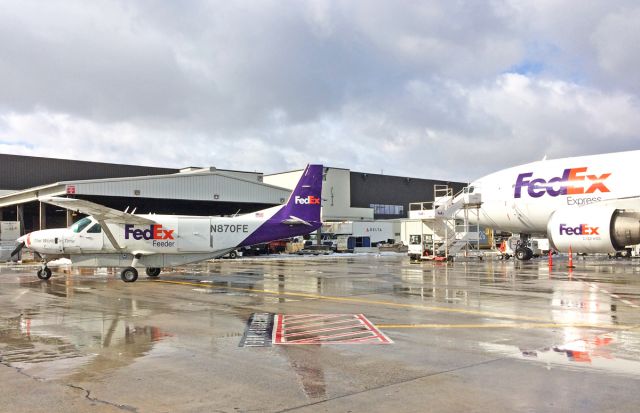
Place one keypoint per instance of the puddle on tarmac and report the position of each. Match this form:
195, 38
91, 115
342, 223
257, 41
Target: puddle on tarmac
615, 353
52, 346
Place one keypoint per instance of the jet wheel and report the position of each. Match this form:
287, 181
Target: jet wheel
44, 273
153, 272
524, 254
129, 275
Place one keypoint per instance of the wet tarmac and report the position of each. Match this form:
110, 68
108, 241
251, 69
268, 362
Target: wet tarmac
487, 336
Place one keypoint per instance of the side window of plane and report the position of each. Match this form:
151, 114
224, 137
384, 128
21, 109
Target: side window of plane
80, 225
96, 229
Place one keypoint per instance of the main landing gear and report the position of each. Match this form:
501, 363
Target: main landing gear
130, 274
524, 253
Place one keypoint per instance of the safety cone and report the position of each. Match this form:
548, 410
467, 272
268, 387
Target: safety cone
550, 258
570, 258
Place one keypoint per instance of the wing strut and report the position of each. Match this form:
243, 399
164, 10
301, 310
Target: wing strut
109, 235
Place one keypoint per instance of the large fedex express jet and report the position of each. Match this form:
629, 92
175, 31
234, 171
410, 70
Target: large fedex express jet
588, 203
112, 238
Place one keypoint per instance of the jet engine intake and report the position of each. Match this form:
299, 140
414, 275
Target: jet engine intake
593, 229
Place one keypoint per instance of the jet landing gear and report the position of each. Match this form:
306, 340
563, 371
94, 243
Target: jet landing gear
524, 254
523, 250
153, 272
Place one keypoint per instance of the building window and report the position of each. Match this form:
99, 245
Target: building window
382, 209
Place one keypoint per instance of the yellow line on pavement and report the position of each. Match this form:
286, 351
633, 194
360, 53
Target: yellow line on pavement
360, 301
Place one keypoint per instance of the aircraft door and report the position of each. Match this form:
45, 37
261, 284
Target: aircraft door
194, 235
92, 239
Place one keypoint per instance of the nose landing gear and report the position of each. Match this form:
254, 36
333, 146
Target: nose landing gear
44, 273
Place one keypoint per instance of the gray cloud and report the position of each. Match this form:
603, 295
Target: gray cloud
437, 89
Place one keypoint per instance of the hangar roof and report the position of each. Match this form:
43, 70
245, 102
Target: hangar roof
204, 185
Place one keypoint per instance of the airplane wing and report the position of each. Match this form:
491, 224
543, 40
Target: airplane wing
99, 212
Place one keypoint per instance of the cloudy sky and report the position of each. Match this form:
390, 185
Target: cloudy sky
439, 89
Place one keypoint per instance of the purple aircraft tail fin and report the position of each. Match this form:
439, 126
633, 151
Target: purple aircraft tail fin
299, 216
305, 200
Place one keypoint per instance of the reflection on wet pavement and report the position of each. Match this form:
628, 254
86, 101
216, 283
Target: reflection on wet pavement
181, 332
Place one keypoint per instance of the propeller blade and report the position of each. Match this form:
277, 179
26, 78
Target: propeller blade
19, 247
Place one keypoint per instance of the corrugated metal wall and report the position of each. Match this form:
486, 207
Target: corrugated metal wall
21, 172
201, 187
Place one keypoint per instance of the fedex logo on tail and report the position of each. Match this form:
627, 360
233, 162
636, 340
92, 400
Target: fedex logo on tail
154, 232
573, 181
582, 229
309, 200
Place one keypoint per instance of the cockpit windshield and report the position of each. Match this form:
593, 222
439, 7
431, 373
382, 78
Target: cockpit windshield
80, 225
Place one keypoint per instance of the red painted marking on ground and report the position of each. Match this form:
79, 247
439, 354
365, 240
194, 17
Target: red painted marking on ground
277, 337
304, 327
371, 327
332, 336
317, 317
322, 330
326, 329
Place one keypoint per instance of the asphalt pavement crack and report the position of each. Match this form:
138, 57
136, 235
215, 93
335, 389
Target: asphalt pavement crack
19, 370
88, 396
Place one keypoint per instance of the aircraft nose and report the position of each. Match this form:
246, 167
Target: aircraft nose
22, 239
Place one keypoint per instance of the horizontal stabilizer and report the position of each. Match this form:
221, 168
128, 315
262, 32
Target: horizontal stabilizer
295, 221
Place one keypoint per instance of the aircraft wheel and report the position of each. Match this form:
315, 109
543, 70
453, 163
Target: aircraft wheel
44, 273
129, 275
153, 272
233, 255
529, 253
522, 254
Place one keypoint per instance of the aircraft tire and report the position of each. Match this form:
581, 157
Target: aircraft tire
521, 254
153, 272
529, 252
129, 275
233, 255
44, 273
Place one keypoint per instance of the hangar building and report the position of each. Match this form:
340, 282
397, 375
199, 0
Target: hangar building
347, 195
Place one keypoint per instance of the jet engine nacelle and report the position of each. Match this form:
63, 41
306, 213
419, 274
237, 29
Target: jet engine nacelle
593, 229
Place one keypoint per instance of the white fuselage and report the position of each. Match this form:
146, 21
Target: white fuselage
521, 199
170, 234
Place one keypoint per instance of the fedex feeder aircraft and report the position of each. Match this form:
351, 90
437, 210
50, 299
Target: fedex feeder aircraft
590, 204
112, 238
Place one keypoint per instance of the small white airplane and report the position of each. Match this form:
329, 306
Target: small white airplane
590, 204
112, 238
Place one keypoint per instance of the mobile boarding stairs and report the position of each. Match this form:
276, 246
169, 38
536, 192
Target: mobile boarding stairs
449, 224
